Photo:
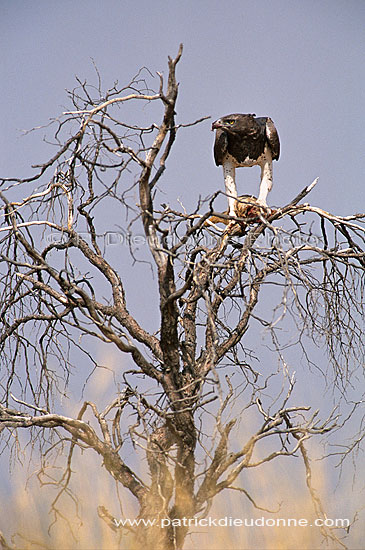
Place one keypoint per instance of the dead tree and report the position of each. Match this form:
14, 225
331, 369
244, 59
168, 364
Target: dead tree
210, 283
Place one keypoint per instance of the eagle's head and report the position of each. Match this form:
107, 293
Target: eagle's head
236, 122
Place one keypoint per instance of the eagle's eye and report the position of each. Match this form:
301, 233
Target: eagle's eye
230, 121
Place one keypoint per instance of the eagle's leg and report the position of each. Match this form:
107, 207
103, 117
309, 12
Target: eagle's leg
266, 180
230, 183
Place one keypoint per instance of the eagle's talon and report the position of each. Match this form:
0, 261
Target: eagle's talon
262, 204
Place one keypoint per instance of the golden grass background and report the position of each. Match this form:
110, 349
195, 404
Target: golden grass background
279, 486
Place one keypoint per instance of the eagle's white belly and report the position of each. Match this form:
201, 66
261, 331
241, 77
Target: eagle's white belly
248, 162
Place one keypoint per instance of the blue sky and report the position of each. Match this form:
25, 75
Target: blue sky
299, 62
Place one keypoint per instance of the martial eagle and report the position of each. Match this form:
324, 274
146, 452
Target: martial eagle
245, 140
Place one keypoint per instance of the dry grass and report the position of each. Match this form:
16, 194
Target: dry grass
27, 514
278, 486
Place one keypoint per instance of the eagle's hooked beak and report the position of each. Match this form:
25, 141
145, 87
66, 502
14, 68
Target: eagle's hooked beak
217, 124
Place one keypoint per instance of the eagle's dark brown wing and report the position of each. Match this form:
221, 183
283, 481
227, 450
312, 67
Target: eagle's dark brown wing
272, 137
220, 146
